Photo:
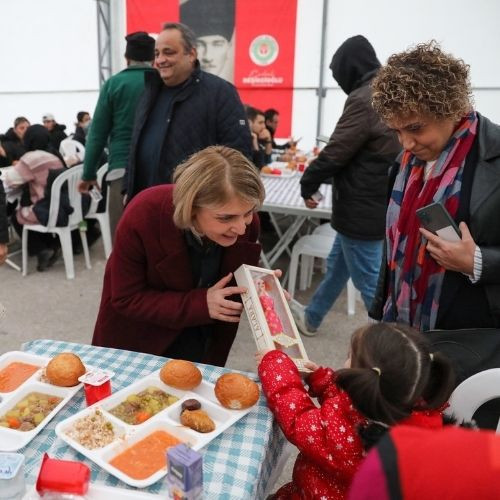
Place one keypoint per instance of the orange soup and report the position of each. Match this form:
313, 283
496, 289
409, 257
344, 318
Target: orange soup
145, 457
14, 374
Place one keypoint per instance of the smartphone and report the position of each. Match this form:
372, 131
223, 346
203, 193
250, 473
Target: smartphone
317, 196
437, 219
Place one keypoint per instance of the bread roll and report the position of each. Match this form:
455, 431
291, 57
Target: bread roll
64, 369
180, 374
235, 391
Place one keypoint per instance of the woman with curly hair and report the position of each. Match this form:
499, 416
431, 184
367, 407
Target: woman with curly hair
452, 156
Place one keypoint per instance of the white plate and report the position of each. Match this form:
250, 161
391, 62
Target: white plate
11, 439
167, 419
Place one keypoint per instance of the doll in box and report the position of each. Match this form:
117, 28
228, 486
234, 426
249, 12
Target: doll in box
267, 302
272, 318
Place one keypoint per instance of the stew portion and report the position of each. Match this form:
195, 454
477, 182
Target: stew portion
138, 408
29, 412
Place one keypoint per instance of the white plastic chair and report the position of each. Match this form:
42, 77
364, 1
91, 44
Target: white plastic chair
316, 245
71, 176
473, 393
103, 178
69, 148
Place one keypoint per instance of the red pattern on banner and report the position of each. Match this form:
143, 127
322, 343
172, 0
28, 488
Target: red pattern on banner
264, 66
150, 15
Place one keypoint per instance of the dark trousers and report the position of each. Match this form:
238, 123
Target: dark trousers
36, 241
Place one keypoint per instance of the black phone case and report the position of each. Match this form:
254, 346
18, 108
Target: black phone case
434, 217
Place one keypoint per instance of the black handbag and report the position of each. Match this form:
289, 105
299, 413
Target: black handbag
470, 350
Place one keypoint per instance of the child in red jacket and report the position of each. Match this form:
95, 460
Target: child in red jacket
390, 377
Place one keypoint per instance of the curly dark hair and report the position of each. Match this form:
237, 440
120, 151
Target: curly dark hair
424, 81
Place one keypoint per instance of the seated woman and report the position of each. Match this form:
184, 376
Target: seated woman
29, 178
452, 156
167, 284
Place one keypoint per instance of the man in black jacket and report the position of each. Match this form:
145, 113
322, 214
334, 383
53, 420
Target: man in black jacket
357, 157
182, 110
56, 130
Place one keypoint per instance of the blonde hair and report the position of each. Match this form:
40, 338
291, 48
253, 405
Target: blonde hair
210, 178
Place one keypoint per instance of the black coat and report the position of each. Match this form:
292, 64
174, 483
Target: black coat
13, 147
207, 111
57, 135
360, 151
483, 211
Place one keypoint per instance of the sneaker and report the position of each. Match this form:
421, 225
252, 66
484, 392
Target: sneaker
299, 314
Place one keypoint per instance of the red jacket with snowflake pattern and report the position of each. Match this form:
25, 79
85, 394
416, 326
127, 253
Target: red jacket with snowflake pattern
326, 436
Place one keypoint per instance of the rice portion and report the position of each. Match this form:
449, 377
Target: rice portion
92, 431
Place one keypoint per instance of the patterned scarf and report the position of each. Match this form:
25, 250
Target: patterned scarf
415, 278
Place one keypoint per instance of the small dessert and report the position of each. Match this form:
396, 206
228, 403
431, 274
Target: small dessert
266, 170
198, 420
235, 391
191, 405
180, 374
64, 369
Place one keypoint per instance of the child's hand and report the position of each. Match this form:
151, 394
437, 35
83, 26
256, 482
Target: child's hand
311, 365
259, 355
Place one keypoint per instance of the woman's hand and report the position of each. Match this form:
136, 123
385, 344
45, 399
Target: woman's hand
218, 306
452, 255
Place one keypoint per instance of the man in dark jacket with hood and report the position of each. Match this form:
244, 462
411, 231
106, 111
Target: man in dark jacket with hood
357, 157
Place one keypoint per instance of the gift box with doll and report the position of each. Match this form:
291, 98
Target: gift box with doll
268, 313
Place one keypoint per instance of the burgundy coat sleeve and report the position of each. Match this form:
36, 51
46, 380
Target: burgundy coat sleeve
328, 434
132, 295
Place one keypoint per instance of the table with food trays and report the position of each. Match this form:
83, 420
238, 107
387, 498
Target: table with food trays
242, 462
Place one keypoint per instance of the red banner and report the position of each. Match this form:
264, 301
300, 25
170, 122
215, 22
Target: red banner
250, 43
150, 15
264, 55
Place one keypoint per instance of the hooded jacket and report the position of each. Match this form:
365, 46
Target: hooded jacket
360, 151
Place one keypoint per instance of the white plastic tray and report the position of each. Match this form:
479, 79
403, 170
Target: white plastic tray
167, 420
11, 439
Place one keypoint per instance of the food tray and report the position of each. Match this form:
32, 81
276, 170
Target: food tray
167, 419
12, 439
281, 165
